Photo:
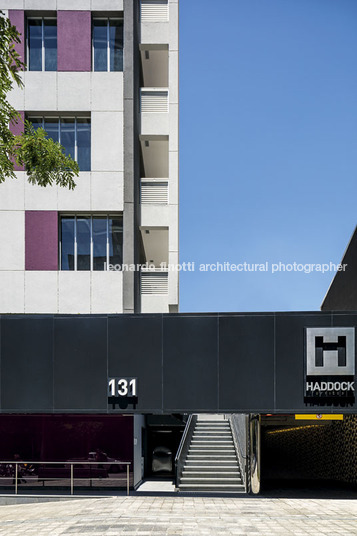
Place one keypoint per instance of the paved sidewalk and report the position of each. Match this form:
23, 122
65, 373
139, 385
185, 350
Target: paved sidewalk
187, 516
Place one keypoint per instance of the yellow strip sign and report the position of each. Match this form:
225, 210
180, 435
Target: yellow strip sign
319, 417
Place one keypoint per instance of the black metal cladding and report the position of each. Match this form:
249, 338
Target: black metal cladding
232, 362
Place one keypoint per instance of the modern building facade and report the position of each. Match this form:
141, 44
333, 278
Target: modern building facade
82, 370
101, 78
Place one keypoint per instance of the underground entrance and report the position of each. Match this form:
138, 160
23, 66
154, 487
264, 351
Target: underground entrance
312, 454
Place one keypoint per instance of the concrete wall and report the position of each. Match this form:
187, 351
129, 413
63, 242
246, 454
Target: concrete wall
99, 95
111, 99
99, 5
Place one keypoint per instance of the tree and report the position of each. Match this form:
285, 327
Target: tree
44, 159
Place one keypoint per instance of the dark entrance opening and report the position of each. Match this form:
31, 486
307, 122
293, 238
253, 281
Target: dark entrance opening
163, 436
305, 455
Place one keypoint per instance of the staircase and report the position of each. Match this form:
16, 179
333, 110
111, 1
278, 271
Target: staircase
211, 463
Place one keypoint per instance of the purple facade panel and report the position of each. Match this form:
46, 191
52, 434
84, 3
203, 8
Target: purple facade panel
17, 18
17, 129
74, 40
41, 240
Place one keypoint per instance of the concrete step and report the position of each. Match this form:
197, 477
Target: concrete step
212, 433
213, 428
213, 487
207, 450
210, 480
215, 474
209, 456
222, 464
215, 441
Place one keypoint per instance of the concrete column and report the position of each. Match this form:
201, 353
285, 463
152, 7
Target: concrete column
131, 155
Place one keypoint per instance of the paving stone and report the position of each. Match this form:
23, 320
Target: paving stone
181, 516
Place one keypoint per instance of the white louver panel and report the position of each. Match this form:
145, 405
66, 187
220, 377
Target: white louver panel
154, 191
154, 282
154, 101
154, 11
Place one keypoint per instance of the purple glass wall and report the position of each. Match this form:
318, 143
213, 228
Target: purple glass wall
41, 240
17, 18
74, 40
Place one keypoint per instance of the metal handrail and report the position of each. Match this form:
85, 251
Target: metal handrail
184, 445
70, 464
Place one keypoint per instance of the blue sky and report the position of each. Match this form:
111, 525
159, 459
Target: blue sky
268, 136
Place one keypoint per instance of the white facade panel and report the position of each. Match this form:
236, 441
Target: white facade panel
110, 5
154, 33
107, 191
154, 304
107, 141
74, 292
173, 278
154, 215
16, 96
41, 4
174, 21
173, 76
73, 92
40, 91
173, 223
12, 240
107, 92
77, 199
41, 292
40, 198
173, 182
12, 192
12, 296
78, 4
12, 4
107, 292
155, 124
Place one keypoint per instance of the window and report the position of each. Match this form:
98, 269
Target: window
74, 133
42, 44
107, 44
90, 242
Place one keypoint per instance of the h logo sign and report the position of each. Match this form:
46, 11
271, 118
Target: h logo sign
330, 351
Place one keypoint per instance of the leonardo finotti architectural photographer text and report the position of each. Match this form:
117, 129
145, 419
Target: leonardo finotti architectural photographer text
306, 268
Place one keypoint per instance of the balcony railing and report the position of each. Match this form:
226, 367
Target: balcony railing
154, 100
154, 281
154, 191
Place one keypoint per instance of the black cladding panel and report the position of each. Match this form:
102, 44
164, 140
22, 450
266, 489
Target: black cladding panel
252, 362
246, 362
26, 363
80, 364
290, 356
135, 350
190, 347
